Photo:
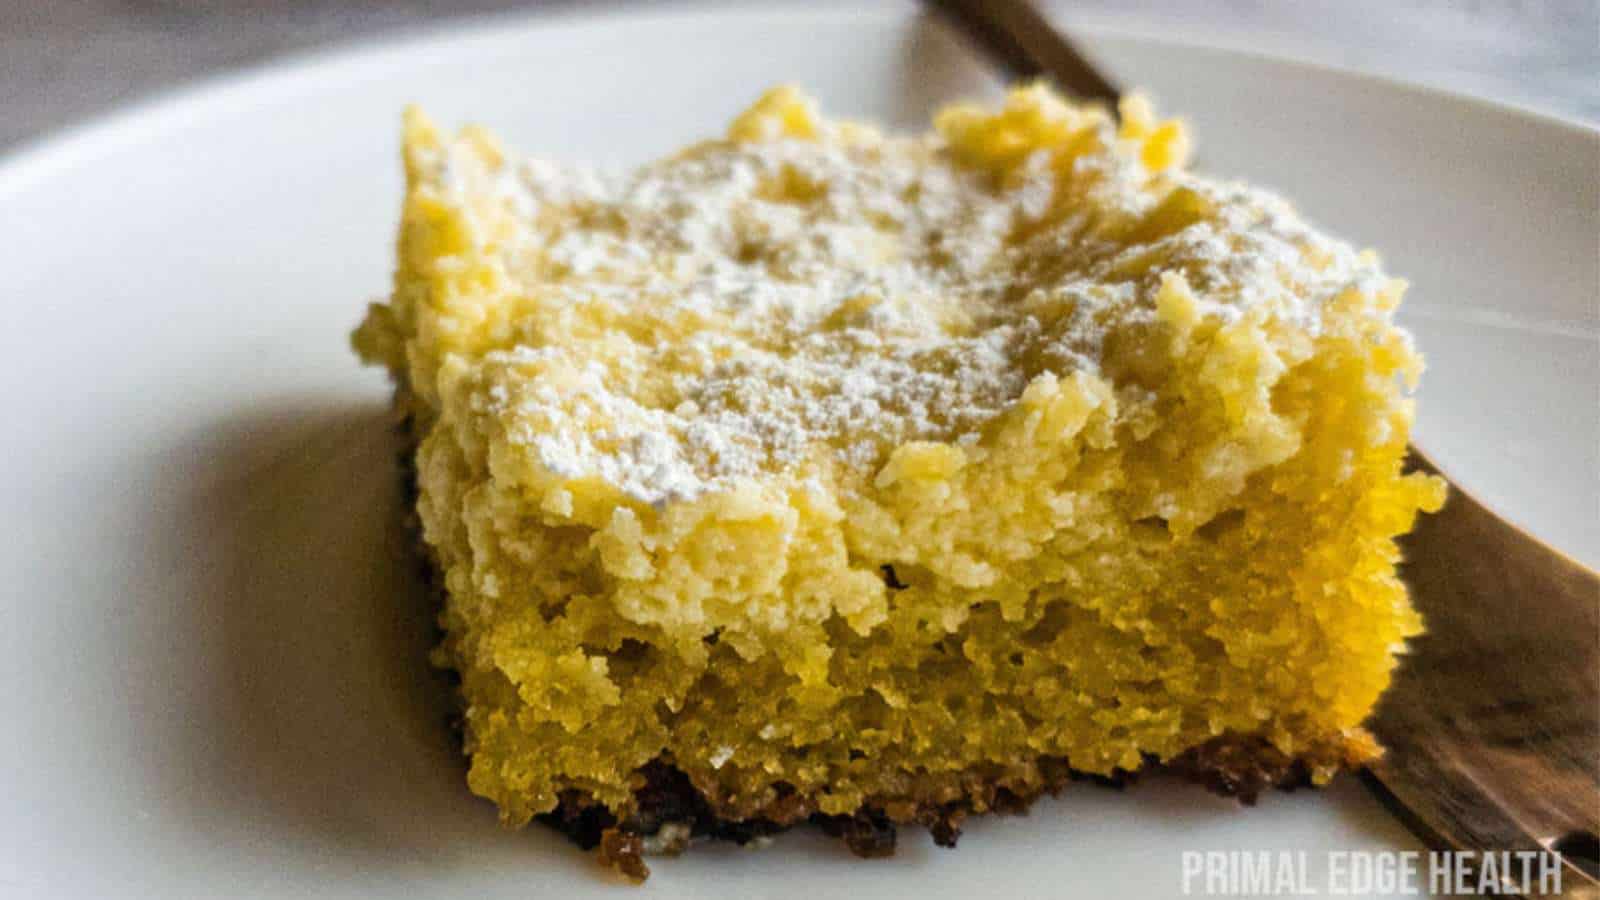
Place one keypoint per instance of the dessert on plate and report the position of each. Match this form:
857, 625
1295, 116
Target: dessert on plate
811, 473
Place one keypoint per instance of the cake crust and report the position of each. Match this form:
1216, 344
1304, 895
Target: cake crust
668, 803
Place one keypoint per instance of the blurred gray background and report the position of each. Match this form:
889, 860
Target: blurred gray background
64, 60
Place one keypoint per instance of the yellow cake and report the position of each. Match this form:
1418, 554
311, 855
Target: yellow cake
816, 473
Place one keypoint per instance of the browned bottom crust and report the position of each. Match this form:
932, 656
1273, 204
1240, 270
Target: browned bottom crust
671, 811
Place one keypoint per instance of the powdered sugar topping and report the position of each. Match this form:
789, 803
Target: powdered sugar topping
750, 307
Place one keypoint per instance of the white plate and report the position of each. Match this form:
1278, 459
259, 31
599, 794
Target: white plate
212, 653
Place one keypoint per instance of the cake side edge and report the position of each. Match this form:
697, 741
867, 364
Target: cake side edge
671, 811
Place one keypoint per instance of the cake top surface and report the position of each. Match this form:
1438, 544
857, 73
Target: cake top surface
808, 293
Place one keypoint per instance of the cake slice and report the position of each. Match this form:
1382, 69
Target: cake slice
812, 473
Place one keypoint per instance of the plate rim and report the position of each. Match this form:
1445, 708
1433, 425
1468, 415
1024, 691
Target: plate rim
36, 158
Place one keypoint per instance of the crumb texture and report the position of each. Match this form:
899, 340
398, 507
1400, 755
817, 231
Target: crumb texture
842, 471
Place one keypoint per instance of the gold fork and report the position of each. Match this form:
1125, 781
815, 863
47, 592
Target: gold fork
1492, 726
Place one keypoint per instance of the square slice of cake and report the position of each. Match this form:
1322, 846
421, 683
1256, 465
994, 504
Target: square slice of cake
813, 473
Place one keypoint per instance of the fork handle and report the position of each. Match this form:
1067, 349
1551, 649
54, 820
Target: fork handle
1017, 36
